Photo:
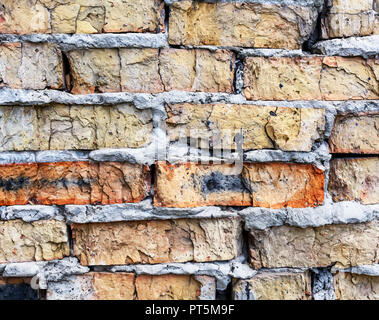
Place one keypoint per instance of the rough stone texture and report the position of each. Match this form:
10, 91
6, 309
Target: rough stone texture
157, 241
240, 24
355, 179
95, 70
270, 185
140, 70
17, 289
128, 286
287, 129
81, 16
274, 286
353, 46
35, 241
276, 185
311, 78
62, 127
347, 18
344, 245
144, 70
191, 185
197, 70
73, 183
171, 287
355, 134
31, 66
350, 286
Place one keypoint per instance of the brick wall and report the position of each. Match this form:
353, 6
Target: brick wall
156, 149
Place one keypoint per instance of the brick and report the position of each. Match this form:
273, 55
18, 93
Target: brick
73, 183
145, 70
277, 185
17, 289
31, 66
197, 70
287, 129
174, 287
192, 185
21, 17
355, 134
128, 286
344, 245
348, 286
240, 24
140, 70
153, 242
271, 185
274, 286
95, 70
347, 18
34, 241
81, 16
62, 127
355, 179
311, 78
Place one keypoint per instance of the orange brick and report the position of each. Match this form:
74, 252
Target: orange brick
271, 185
73, 183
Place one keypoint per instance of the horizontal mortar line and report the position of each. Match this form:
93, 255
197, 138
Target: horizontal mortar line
353, 155
236, 268
367, 46
154, 101
302, 3
344, 212
353, 46
147, 155
368, 269
329, 213
89, 41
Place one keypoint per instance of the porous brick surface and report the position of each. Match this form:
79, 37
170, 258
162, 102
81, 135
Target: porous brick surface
185, 149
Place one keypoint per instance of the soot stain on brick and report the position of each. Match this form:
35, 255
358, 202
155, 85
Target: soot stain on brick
217, 182
17, 292
14, 184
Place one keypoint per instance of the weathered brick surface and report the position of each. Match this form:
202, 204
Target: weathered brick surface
35, 241
240, 24
355, 134
276, 185
31, 66
140, 70
73, 183
62, 127
145, 70
197, 70
272, 185
311, 78
128, 286
274, 286
347, 18
349, 286
355, 179
191, 185
81, 16
344, 245
95, 70
157, 241
17, 289
288, 129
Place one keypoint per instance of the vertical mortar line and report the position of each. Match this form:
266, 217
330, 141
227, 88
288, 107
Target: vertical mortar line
69, 234
166, 9
66, 69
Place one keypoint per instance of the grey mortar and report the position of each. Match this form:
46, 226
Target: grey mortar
322, 284
354, 46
